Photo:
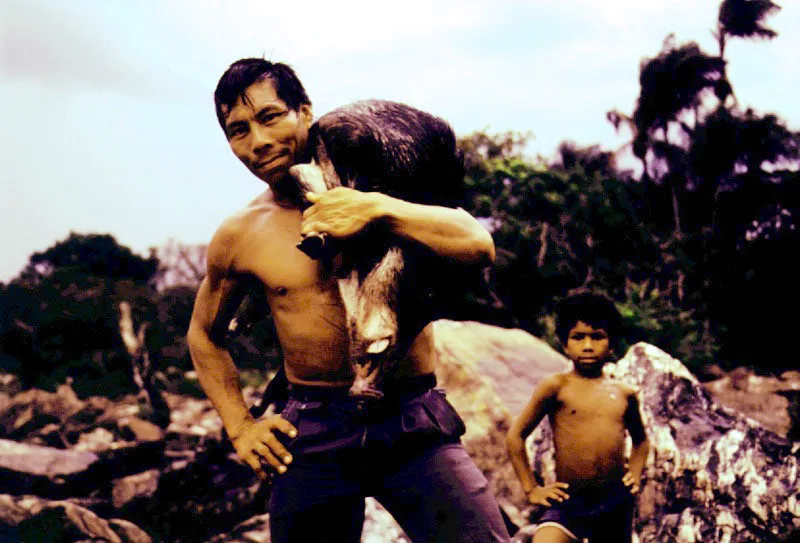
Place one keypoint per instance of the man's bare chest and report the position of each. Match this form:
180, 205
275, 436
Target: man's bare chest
268, 252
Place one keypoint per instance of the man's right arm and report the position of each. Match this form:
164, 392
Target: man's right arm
217, 299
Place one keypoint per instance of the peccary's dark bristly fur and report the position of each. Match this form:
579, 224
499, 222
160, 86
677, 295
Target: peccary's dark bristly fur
393, 148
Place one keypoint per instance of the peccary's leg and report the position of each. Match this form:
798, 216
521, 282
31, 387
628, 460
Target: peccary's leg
371, 307
311, 178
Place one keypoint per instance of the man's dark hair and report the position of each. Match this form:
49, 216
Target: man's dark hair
593, 308
243, 73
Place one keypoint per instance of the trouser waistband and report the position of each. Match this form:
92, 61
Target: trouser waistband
393, 390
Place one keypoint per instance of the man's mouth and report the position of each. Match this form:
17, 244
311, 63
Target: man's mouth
266, 163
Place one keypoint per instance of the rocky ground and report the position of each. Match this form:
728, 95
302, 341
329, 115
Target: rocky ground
722, 468
764, 398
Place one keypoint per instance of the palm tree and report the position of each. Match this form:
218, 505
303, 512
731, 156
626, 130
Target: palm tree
673, 86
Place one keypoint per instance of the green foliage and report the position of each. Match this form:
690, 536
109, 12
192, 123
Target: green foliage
650, 316
61, 315
93, 255
578, 221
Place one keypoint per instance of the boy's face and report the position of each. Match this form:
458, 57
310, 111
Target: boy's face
587, 346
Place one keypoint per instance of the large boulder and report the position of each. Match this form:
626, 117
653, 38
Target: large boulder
713, 475
489, 374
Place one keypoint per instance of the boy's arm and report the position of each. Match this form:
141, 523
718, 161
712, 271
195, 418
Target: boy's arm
640, 444
539, 405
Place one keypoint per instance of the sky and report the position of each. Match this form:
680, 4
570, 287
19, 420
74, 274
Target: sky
108, 122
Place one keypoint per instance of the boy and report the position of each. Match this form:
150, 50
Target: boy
592, 499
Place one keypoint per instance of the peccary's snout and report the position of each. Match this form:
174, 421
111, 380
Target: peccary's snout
378, 347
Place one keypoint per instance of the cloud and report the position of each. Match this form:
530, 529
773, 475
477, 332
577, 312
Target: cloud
314, 29
88, 44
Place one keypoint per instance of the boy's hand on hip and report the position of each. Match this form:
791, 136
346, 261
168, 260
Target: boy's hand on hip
542, 495
631, 481
257, 445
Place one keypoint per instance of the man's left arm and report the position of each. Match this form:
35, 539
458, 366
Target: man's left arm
451, 233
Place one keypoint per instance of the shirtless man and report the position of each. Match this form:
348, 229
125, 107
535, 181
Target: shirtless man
592, 498
327, 449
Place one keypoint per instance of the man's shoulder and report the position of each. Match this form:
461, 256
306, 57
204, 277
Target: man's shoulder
238, 227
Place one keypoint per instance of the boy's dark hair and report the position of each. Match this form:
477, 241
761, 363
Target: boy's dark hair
593, 308
243, 73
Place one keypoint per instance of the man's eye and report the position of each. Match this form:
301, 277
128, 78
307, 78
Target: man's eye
236, 131
271, 117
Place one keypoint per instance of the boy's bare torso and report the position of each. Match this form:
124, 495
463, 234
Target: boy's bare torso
588, 421
304, 299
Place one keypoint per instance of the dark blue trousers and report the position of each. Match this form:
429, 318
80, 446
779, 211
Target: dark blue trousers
404, 450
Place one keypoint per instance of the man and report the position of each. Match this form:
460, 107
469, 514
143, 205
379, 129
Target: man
328, 452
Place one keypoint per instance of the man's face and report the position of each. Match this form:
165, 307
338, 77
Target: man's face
265, 134
587, 346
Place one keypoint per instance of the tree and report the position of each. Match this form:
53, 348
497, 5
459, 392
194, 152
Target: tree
180, 264
726, 167
63, 313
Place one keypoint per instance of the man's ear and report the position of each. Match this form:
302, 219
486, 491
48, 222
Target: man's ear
306, 115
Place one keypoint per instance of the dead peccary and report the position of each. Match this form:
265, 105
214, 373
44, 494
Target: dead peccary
391, 288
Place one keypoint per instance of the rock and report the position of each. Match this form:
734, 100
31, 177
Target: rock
45, 471
9, 384
252, 530
138, 486
380, 526
30, 518
195, 498
98, 439
126, 458
128, 531
140, 429
33, 409
766, 399
489, 374
508, 360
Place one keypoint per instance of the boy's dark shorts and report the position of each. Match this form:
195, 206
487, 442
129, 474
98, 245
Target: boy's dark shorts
601, 515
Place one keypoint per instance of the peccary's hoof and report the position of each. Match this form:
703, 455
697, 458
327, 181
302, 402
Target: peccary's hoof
366, 384
366, 393
314, 246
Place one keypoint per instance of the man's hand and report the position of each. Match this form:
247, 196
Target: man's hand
631, 481
340, 212
256, 444
542, 495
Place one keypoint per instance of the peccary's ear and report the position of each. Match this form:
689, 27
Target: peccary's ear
309, 176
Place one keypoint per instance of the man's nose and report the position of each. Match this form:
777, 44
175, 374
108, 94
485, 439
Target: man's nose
587, 344
262, 140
